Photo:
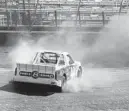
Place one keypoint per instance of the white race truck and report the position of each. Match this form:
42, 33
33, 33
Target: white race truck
49, 68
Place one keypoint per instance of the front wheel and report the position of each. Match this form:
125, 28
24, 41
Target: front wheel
79, 72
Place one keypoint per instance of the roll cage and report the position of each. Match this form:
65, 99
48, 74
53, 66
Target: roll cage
53, 58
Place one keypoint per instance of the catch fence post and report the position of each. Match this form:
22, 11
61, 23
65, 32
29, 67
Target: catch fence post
103, 17
7, 14
120, 7
56, 18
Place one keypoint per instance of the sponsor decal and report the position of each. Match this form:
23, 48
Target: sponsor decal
36, 74
43, 75
24, 73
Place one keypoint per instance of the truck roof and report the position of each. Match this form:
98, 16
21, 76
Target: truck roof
53, 51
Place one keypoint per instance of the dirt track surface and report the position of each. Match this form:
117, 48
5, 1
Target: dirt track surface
40, 98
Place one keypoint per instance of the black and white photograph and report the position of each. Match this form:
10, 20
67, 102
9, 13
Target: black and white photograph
64, 55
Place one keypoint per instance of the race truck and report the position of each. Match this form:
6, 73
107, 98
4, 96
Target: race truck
48, 68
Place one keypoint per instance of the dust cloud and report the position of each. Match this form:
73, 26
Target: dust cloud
110, 49
92, 78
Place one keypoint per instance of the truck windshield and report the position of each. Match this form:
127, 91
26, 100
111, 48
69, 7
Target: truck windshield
49, 57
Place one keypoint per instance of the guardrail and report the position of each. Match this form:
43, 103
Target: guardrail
86, 10
43, 32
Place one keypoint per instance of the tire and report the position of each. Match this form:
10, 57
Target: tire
60, 89
79, 72
15, 85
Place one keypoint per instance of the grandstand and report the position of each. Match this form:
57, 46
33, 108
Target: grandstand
52, 13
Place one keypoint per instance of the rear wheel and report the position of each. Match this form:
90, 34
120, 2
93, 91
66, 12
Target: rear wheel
79, 73
60, 89
15, 85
